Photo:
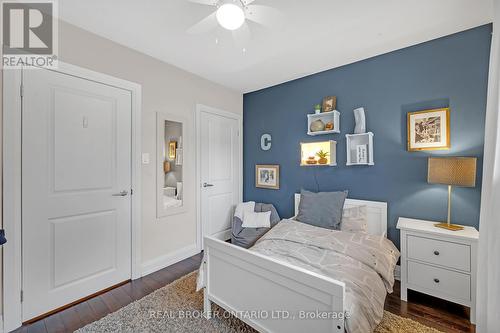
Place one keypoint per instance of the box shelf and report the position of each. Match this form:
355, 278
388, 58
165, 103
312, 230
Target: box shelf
325, 117
308, 149
359, 149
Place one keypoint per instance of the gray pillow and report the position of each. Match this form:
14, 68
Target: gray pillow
322, 209
246, 237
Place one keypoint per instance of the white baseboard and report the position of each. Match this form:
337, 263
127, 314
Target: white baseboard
161, 262
397, 273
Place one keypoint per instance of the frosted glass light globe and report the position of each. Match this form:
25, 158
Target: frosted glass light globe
230, 16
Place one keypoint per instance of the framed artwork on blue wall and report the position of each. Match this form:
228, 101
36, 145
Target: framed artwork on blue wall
429, 130
267, 176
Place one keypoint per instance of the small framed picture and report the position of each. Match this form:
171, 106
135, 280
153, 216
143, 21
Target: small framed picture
361, 154
172, 147
329, 103
267, 176
429, 130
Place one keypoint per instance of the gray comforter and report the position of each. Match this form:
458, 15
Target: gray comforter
365, 263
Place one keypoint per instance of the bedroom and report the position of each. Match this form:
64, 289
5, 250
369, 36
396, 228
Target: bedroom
156, 131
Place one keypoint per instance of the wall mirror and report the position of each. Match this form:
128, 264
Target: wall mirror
170, 165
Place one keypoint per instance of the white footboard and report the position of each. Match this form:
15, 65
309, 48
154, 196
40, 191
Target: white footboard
269, 295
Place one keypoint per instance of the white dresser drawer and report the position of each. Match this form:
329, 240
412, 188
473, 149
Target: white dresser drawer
439, 280
439, 252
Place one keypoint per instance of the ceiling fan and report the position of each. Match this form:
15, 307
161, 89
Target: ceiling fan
233, 15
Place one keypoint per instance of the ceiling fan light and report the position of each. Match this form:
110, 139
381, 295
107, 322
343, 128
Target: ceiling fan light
230, 16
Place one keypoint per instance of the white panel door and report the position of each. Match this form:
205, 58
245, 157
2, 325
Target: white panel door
76, 159
220, 171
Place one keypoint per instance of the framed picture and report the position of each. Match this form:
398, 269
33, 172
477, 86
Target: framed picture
329, 103
172, 147
267, 176
429, 129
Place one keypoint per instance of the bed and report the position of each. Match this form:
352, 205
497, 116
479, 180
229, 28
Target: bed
171, 202
270, 294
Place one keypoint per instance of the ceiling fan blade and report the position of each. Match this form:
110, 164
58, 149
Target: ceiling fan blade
204, 2
242, 36
265, 15
205, 25
247, 2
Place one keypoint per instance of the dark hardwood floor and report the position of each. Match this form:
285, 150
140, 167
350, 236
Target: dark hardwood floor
430, 311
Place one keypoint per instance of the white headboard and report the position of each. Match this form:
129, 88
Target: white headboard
376, 213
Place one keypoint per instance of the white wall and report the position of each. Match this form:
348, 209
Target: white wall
164, 88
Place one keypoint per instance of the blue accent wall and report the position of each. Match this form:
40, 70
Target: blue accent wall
447, 72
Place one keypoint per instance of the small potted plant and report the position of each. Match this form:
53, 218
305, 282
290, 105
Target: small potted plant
322, 156
317, 109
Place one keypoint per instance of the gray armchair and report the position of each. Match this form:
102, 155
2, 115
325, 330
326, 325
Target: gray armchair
246, 237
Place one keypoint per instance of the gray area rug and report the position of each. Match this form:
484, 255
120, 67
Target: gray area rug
177, 307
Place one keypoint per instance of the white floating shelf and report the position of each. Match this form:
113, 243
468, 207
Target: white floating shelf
359, 149
325, 117
309, 149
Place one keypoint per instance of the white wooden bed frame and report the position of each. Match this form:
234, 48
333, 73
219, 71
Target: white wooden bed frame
263, 292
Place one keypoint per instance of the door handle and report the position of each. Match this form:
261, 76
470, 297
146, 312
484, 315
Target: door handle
207, 185
120, 194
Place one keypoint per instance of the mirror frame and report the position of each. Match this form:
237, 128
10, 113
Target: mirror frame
161, 150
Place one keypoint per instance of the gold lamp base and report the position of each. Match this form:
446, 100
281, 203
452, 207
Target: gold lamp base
448, 225
452, 227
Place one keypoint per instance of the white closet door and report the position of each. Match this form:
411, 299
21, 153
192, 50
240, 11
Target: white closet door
219, 171
76, 159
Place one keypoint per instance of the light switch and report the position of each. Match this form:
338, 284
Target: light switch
145, 158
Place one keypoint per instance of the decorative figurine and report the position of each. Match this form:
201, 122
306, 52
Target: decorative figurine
359, 117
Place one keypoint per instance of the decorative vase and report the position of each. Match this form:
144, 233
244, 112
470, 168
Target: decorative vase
317, 126
323, 160
359, 117
311, 160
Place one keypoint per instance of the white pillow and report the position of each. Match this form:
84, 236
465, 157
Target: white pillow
354, 219
243, 208
257, 220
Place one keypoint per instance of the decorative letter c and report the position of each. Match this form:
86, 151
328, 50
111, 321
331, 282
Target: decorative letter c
265, 141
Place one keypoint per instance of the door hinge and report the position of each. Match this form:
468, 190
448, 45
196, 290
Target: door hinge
21, 90
131, 191
22, 296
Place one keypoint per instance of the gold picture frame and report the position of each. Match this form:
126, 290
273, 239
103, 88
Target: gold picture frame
267, 176
172, 149
329, 104
428, 130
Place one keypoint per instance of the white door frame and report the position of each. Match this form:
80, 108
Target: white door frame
12, 256
227, 114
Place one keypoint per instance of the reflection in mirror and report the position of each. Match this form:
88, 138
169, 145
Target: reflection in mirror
172, 165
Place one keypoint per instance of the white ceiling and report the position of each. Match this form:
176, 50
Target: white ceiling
306, 37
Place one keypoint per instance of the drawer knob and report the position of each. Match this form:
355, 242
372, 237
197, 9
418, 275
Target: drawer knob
436, 252
436, 280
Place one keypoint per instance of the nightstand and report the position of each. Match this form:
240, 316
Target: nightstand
439, 262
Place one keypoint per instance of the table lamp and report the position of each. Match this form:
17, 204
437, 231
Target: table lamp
451, 171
